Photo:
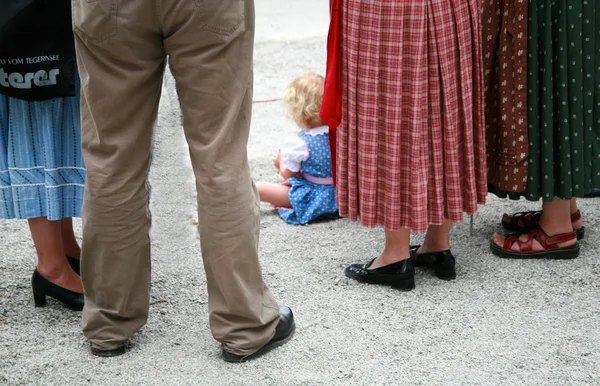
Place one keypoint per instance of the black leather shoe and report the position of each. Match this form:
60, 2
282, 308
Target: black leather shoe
74, 263
283, 333
400, 275
42, 287
442, 262
115, 352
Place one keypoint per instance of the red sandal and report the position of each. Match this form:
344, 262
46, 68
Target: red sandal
525, 221
549, 243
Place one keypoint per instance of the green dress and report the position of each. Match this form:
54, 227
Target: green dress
563, 100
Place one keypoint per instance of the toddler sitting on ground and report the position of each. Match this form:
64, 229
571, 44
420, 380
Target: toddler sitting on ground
304, 161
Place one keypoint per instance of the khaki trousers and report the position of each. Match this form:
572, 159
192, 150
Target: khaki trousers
122, 47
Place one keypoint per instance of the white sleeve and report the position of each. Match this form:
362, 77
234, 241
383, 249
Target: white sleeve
293, 152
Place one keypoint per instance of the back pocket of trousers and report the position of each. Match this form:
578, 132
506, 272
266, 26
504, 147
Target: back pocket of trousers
95, 20
222, 17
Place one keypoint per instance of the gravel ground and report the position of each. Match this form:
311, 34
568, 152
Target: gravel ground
500, 322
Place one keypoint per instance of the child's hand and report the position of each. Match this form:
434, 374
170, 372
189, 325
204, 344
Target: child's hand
277, 160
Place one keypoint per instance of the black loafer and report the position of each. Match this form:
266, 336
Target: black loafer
74, 263
43, 287
283, 333
115, 352
443, 262
400, 275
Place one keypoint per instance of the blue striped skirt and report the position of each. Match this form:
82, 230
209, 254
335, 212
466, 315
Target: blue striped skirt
41, 168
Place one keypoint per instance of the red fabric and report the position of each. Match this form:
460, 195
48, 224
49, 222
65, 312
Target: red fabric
331, 109
411, 146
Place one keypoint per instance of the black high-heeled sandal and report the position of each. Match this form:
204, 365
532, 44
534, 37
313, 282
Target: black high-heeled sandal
43, 287
74, 263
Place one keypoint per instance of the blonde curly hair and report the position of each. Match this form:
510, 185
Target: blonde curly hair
303, 98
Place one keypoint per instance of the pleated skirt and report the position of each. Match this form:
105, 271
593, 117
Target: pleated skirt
42, 173
411, 146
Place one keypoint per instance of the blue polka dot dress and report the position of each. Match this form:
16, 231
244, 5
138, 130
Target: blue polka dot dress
312, 193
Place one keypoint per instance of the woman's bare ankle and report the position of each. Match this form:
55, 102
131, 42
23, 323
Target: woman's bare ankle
428, 247
387, 259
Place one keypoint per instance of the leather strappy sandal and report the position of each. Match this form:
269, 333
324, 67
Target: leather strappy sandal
525, 221
549, 243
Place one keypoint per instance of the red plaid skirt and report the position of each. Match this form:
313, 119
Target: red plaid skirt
411, 146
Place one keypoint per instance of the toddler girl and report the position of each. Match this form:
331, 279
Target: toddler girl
304, 160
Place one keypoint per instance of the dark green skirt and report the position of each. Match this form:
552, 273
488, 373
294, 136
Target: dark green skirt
563, 99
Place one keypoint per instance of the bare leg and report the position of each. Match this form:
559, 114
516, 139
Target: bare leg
574, 209
556, 219
437, 238
397, 248
52, 260
275, 194
70, 244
